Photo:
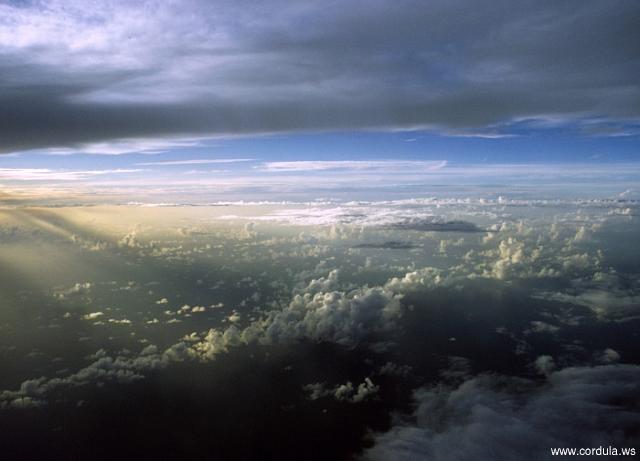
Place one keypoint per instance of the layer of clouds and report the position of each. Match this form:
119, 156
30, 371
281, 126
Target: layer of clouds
445, 214
325, 305
319, 312
489, 417
101, 78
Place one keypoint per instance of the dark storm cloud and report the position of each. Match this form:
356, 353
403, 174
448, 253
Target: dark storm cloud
70, 75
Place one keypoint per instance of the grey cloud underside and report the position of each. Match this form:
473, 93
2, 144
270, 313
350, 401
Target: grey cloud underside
430, 225
490, 415
199, 68
391, 245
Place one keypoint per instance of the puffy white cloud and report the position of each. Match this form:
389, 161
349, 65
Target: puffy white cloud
425, 278
120, 369
123, 368
525, 251
315, 390
93, 315
344, 318
608, 356
365, 391
346, 392
120, 321
582, 235
328, 283
78, 289
235, 317
216, 342
538, 326
544, 365
511, 256
130, 240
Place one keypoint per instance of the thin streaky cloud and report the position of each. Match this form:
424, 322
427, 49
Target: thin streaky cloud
196, 161
319, 165
125, 146
45, 174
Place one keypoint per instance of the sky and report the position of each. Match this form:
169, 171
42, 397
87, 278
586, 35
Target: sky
104, 98
340, 229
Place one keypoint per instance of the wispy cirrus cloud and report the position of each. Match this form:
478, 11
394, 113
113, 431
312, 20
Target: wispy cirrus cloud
45, 174
361, 165
196, 162
125, 146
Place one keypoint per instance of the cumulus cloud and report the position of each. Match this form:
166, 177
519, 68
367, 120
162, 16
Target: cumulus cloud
510, 418
319, 312
343, 392
425, 278
364, 391
342, 318
544, 365
130, 240
105, 368
609, 356
78, 289
525, 251
334, 316
93, 315
538, 326
321, 284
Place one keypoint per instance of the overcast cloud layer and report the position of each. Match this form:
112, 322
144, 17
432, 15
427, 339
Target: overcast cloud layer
74, 73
